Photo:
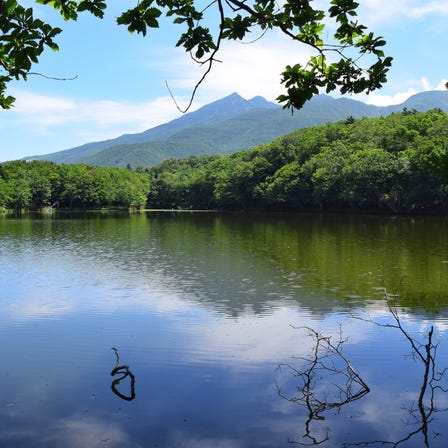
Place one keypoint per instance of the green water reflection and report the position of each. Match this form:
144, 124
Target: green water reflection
200, 309
343, 258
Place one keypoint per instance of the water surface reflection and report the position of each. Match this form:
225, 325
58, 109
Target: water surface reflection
203, 308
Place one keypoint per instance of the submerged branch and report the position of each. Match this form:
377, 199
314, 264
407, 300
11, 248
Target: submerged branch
124, 373
422, 411
325, 365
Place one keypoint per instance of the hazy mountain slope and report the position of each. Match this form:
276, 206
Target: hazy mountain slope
241, 132
422, 102
228, 125
238, 133
217, 111
134, 155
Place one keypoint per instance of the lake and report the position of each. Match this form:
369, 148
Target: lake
169, 329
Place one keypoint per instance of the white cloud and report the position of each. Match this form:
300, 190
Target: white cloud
44, 110
386, 100
247, 341
248, 69
422, 8
50, 111
77, 431
385, 11
54, 123
421, 85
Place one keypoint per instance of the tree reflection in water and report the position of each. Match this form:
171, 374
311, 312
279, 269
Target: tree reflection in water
327, 380
421, 411
124, 373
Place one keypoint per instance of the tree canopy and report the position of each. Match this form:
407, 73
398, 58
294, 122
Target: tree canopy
39, 184
397, 164
351, 59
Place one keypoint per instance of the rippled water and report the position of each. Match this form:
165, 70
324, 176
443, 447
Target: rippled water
208, 312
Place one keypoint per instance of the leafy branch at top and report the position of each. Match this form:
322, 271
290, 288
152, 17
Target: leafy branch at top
335, 65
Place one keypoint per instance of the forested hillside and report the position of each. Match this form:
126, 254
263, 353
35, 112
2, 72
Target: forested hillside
397, 163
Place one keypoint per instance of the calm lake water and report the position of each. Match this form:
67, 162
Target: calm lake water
188, 330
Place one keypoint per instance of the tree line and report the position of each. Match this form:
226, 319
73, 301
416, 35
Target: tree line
38, 184
397, 164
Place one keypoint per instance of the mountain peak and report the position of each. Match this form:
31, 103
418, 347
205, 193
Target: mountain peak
233, 95
225, 108
235, 99
322, 97
260, 102
230, 124
425, 100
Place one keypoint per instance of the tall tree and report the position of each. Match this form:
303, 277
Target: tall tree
336, 63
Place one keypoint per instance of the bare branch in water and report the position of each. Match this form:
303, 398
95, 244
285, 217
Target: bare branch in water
324, 365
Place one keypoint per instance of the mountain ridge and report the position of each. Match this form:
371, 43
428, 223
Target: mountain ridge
234, 104
228, 125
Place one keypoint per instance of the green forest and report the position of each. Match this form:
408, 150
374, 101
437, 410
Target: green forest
394, 164
397, 163
40, 184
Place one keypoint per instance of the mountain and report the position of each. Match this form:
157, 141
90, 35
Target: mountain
422, 102
228, 125
223, 109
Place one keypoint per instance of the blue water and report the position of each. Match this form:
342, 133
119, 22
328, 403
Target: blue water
212, 324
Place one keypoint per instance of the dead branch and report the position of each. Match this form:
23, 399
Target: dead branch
423, 409
325, 364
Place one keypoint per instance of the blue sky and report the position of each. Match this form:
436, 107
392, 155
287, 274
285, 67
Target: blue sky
120, 78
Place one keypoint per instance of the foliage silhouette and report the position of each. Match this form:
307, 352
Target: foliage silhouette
337, 41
